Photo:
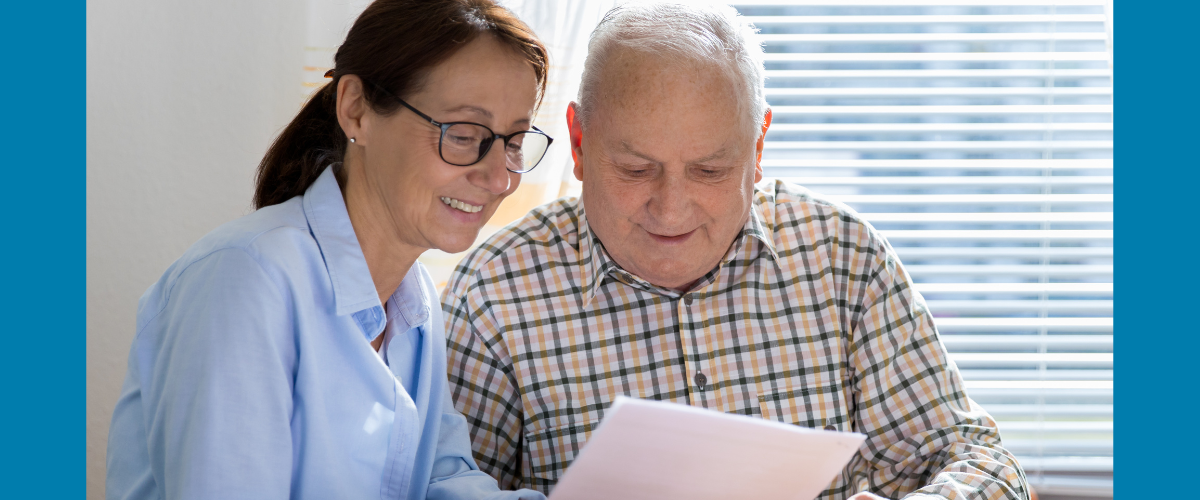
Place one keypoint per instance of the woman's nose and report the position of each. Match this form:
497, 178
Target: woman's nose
493, 172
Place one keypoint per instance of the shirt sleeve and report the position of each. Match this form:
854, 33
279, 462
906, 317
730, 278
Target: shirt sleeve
217, 381
455, 475
925, 437
483, 387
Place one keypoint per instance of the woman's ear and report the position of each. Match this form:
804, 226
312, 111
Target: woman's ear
351, 108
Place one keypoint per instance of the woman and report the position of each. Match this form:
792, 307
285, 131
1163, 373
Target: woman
298, 352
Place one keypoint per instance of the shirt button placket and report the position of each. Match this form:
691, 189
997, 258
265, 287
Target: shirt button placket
698, 381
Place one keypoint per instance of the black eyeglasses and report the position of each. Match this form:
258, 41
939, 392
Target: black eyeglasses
466, 143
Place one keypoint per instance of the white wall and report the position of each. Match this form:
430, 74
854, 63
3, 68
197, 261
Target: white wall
183, 99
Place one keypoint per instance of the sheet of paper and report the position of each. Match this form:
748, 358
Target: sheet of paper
655, 450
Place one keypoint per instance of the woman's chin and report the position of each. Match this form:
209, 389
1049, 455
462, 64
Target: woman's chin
457, 244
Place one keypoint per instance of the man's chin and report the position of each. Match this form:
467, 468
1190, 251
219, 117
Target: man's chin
661, 274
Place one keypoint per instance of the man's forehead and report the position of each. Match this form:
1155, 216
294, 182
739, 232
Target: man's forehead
672, 119
635, 86
629, 68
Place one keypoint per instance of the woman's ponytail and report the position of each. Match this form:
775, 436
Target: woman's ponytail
312, 141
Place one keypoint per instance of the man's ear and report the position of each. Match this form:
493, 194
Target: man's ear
759, 147
351, 107
576, 138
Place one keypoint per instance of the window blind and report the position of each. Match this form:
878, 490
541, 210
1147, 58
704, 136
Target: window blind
977, 137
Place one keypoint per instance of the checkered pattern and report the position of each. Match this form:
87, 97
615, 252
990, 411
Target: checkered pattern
809, 319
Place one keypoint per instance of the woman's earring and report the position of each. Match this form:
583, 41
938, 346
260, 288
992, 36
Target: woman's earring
351, 140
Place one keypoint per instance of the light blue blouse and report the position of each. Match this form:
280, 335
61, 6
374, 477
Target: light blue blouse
251, 375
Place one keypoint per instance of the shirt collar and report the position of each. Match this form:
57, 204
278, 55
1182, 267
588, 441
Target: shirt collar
409, 306
756, 227
596, 265
353, 288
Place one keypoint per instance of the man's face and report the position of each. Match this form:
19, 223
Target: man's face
668, 165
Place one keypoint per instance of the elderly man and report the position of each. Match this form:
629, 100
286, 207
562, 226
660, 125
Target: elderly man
678, 276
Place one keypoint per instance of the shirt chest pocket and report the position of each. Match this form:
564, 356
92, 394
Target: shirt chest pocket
550, 451
813, 406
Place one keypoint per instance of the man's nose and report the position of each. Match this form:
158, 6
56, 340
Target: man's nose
671, 202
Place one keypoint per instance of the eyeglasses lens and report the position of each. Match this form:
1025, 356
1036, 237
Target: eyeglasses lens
461, 143
465, 144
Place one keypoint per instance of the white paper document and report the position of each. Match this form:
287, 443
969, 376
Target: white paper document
664, 451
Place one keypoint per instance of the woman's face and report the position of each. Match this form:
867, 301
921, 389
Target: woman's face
426, 202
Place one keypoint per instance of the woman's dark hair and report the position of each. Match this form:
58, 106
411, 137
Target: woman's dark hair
393, 44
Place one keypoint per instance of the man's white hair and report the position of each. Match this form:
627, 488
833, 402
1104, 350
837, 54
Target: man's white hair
709, 34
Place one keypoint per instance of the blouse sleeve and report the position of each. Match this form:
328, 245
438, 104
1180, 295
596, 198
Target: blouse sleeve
455, 475
216, 374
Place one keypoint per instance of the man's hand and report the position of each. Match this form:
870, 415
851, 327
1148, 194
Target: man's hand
866, 495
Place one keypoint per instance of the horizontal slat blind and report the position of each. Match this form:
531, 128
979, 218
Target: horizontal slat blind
977, 137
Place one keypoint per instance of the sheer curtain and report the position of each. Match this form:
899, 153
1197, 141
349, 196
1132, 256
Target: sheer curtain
328, 22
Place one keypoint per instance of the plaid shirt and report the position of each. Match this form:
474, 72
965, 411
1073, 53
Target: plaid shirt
809, 319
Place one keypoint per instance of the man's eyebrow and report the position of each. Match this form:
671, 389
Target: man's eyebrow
629, 149
720, 153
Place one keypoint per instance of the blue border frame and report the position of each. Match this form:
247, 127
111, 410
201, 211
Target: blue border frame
1156, 204
44, 297
44, 303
